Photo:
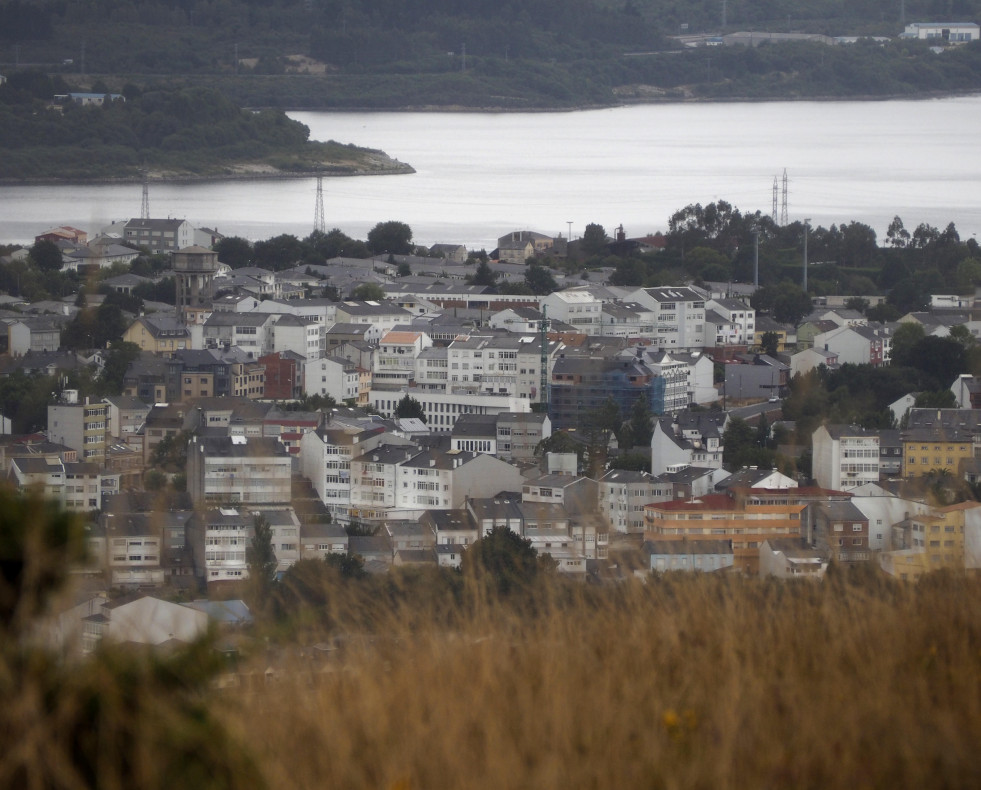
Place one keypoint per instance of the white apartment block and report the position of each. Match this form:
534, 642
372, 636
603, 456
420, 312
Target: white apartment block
679, 315
237, 469
845, 456
504, 365
335, 377
83, 427
373, 479
576, 307
395, 359
623, 494
444, 480
325, 460
303, 336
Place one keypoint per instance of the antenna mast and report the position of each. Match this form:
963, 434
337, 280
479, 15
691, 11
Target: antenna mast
318, 211
543, 385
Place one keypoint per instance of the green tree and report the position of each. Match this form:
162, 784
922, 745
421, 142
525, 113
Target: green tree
235, 251
483, 275
390, 237
904, 342
260, 558
637, 431
408, 408
120, 356
46, 256
769, 343
368, 292
539, 279
594, 239
503, 559
279, 252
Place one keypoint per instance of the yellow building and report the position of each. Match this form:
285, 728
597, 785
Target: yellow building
940, 439
931, 542
160, 333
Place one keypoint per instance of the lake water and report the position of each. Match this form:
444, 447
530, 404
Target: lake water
482, 175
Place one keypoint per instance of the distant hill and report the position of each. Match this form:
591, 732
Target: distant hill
534, 54
178, 134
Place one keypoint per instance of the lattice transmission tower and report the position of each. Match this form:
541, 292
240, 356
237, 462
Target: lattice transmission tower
318, 212
773, 213
145, 205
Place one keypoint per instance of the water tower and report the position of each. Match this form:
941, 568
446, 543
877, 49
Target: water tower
194, 269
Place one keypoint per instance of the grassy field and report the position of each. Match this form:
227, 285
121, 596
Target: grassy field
681, 683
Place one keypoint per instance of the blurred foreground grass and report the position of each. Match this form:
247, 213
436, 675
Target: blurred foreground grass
433, 680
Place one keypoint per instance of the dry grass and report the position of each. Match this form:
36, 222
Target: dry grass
688, 682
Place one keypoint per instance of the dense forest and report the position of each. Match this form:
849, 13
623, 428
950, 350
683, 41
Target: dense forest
177, 133
477, 53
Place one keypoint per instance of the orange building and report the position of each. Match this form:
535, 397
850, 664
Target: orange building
720, 517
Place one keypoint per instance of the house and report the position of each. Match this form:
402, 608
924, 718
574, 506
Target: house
455, 253
810, 358
159, 235
62, 233
841, 529
100, 253
44, 475
158, 333
688, 439
252, 332
857, 345
967, 392
143, 620
37, 334
756, 377
576, 494
791, 558
845, 456
740, 321
317, 541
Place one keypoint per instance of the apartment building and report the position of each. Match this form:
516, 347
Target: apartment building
82, 426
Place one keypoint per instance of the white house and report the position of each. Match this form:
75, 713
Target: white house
740, 317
